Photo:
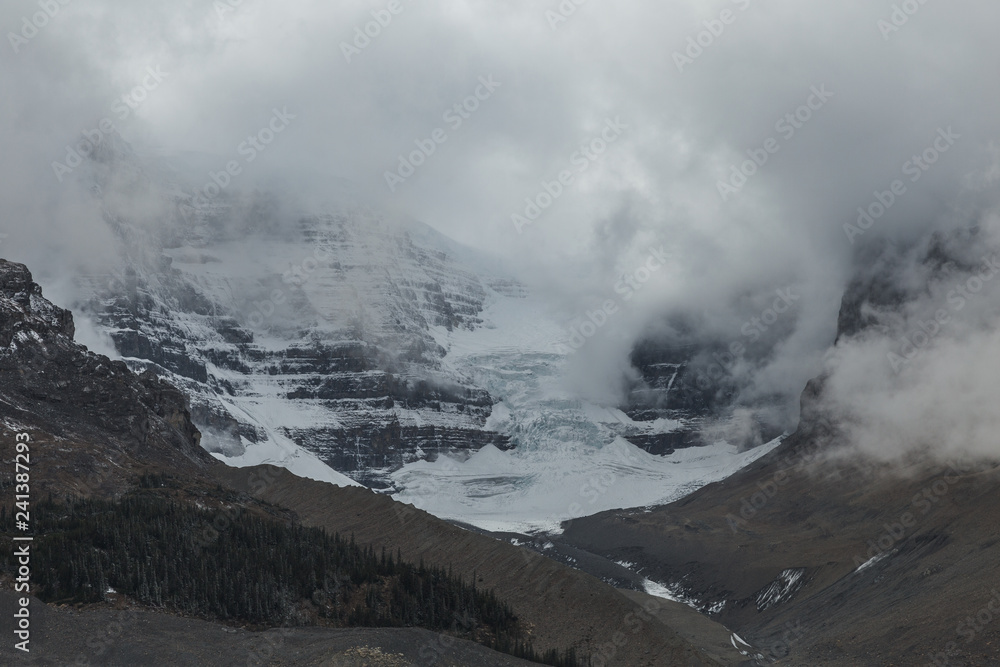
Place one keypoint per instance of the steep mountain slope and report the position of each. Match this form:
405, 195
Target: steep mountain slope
98, 430
818, 555
334, 337
53, 386
279, 347
108, 434
564, 607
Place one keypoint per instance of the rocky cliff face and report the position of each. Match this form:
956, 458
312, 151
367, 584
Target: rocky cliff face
376, 346
322, 333
668, 389
96, 428
65, 395
693, 383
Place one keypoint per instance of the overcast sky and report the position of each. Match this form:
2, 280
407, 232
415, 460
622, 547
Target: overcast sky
677, 116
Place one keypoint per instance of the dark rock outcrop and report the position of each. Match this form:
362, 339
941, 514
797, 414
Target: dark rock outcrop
65, 396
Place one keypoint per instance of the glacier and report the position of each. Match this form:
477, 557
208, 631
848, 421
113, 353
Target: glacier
570, 458
354, 348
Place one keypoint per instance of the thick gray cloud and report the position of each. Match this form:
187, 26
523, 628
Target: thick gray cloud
686, 123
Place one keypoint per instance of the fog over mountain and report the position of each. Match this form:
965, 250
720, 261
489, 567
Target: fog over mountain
612, 333
595, 148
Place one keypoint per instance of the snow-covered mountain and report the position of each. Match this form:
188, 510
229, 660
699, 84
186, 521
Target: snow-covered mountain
381, 349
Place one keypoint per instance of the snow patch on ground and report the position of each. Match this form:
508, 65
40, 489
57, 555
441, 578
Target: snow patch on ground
787, 583
872, 561
282, 452
659, 590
